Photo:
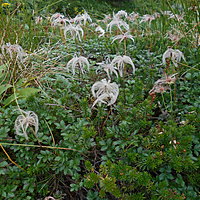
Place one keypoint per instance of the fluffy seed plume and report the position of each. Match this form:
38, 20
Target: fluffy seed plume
133, 16
84, 17
23, 121
56, 16
59, 22
117, 22
79, 62
122, 37
174, 55
163, 84
49, 198
109, 68
99, 29
147, 18
121, 13
105, 92
120, 62
75, 31
13, 50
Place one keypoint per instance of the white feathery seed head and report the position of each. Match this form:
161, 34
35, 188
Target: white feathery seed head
109, 68
117, 22
13, 50
120, 61
133, 16
99, 29
79, 62
56, 16
105, 92
121, 13
175, 56
59, 22
122, 37
84, 17
75, 31
49, 198
163, 84
147, 18
23, 121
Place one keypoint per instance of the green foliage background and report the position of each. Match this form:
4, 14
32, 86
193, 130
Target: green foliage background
121, 152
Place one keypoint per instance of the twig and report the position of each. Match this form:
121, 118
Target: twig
9, 158
40, 146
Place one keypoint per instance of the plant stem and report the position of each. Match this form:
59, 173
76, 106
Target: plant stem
163, 101
171, 100
50, 131
38, 146
9, 158
125, 47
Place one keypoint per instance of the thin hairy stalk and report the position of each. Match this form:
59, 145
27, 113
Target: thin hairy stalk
50, 131
48, 6
40, 86
2, 38
14, 91
123, 84
185, 34
15, 10
163, 99
106, 119
124, 90
189, 66
14, 72
171, 101
125, 47
174, 92
62, 36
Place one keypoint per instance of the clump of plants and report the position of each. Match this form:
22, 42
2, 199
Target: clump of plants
99, 106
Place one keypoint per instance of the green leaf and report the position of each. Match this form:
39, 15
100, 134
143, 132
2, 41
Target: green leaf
3, 88
27, 92
4, 194
22, 93
10, 99
3, 164
169, 176
162, 176
20, 83
58, 158
188, 76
